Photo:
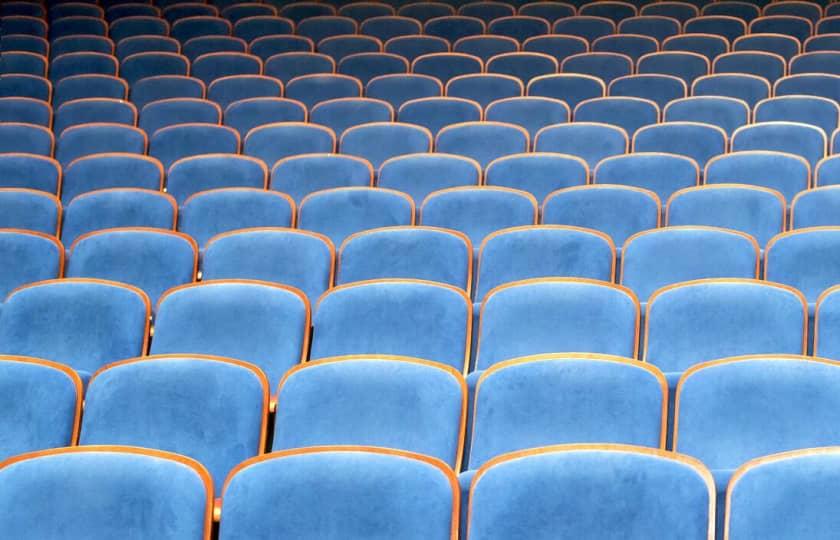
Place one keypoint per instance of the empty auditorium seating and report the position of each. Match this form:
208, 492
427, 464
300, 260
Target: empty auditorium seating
538, 173
784, 172
109, 170
29, 210
189, 176
801, 259
658, 172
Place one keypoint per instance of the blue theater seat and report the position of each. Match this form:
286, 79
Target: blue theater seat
681, 11
810, 84
199, 46
89, 86
454, 27
532, 113
627, 113
410, 47
725, 26
381, 141
88, 139
724, 112
156, 88
659, 27
25, 110
388, 27
570, 88
606, 66
418, 175
260, 26
19, 138
484, 46
139, 66
786, 173
173, 143
538, 173
436, 113
81, 43
634, 46
812, 110
339, 47
447, 66
29, 210
557, 46
313, 89
709, 45
697, 141
785, 46
110, 170
141, 44
192, 175
344, 113
170, 112
803, 140
82, 63
661, 89
482, 141
770, 67
298, 176
247, 114
487, 11
267, 46
588, 27
190, 27
590, 141
31, 257
324, 26
139, 25
93, 110
484, 88
425, 11
803, 259
273, 142
361, 11
212, 66
29, 171
661, 173
549, 11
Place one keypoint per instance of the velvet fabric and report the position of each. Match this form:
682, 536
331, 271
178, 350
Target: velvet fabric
785, 46
236, 12
151, 260
117, 208
298, 176
247, 114
267, 46
740, 10
185, 29
79, 25
587, 27
659, 26
538, 173
425, 11
25, 111
782, 24
629, 114
382, 141
115, 12
822, 43
454, 27
28, 258
127, 27
634, 46
86, 140
99, 493
387, 27
29, 172
366, 66
663, 174
217, 211
589, 141
313, 89
673, 10
339, 494
171, 112
614, 11
757, 212
812, 84
172, 143
324, 26
418, 175
784, 172
81, 43
265, 255
227, 90
264, 325
748, 88
387, 403
520, 27
696, 141
89, 86
105, 171
573, 493
487, 11
605, 66
287, 66
23, 63
661, 89
549, 315
531, 113
685, 65
210, 410
484, 88
826, 342
212, 66
446, 67
805, 259
709, 45
160, 87
820, 112
338, 47
152, 64
342, 114
484, 46
16, 138
419, 319
87, 111
570, 88
525, 66
670, 255
172, 11
724, 112
763, 65
542, 251
720, 25
817, 207
406, 252
201, 173
29, 210
25, 43
23, 24
261, 26
482, 141
437, 113
82, 324
363, 11
558, 47
547, 10
399, 89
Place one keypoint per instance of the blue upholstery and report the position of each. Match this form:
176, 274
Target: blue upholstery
619, 211
749, 88
227, 90
786, 173
341, 493
708, 45
148, 64
25, 111
169, 112
30, 257
785, 46
558, 47
615, 11
247, 114
482, 141
426, 253
589, 141
425, 11
24, 24
338, 47
658, 26
381, 141
759, 212
568, 398
264, 254
484, 46
550, 315
120, 11
726, 113
151, 89
605, 66
338, 213
525, 66
821, 43
804, 259
324, 26
745, 11
538, 173
29, 210
572, 491
531, 113
22, 42
26, 9
550, 11
816, 111
150, 259
236, 12
811, 84
681, 11
180, 141
199, 46
435, 113
796, 138
42, 402
661, 89
313, 89
479, 211
104, 171
81, 323
654, 259
634, 46
273, 142
19, 62
567, 87
386, 402
484, 88
88, 111
110, 208
628, 113
81, 43
298, 176
78, 25
663, 174
446, 66
212, 66
208, 213
410, 47
418, 175
769, 66
788, 25
454, 27
697, 141
688, 66
287, 66
210, 409
815, 208
487, 11
366, 66
725, 26
360, 11
826, 320
17, 138
89, 139
388, 27
404, 317
175, 9
344, 113
29, 171
114, 488
816, 62
398, 89
89, 86
200, 173
267, 46
828, 172
588, 27
704, 320
138, 26
190, 27
522, 253
252, 28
